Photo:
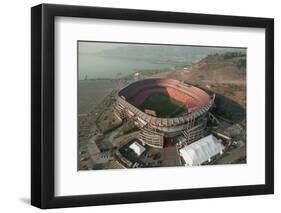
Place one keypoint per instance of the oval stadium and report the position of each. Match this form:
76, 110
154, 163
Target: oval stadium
164, 110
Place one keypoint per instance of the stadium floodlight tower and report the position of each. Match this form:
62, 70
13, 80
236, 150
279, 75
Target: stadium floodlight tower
164, 109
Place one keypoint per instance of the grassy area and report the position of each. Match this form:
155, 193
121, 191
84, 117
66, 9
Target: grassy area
164, 105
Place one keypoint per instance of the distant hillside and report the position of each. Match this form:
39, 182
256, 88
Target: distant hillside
165, 53
229, 67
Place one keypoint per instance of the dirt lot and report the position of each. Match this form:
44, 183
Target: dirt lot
92, 92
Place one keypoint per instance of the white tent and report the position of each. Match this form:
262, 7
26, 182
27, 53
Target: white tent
137, 148
201, 150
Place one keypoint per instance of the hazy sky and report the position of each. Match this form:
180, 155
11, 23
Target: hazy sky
88, 47
94, 47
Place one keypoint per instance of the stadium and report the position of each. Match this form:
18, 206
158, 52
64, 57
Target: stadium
165, 110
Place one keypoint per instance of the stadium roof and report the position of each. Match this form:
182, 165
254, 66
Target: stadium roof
201, 150
137, 148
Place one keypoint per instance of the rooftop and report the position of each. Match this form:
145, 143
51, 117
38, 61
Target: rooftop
137, 148
201, 150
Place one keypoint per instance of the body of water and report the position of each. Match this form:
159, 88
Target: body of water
98, 67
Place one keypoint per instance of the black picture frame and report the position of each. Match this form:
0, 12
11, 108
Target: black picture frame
43, 117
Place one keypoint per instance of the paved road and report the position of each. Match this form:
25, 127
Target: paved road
233, 155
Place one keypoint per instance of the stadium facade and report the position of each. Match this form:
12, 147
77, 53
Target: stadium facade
189, 126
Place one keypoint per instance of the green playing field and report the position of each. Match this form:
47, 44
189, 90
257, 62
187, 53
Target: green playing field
164, 105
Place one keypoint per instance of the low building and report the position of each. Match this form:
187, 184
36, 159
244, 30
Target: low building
137, 148
201, 151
